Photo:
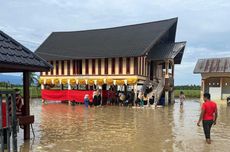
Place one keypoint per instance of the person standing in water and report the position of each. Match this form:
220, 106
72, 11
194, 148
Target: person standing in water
208, 116
86, 100
182, 98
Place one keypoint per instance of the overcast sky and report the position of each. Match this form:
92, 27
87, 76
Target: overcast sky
204, 24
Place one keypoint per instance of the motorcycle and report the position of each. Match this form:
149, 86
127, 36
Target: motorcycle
228, 101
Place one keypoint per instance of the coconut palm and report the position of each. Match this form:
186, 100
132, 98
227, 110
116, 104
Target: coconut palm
33, 78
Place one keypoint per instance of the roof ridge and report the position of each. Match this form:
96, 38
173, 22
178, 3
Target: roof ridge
122, 26
147, 49
213, 58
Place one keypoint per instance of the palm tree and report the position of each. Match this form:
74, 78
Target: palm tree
33, 78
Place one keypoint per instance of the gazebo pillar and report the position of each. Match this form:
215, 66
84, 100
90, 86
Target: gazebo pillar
26, 96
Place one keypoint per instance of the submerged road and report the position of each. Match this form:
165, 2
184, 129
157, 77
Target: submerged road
63, 128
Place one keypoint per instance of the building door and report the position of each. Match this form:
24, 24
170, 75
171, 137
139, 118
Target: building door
215, 93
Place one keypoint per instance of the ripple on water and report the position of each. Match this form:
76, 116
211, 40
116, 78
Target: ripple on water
60, 127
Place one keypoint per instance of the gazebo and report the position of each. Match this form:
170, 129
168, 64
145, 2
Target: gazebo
14, 57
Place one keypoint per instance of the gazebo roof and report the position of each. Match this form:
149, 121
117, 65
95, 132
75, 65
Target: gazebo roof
14, 57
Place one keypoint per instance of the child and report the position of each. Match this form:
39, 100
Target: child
86, 100
182, 98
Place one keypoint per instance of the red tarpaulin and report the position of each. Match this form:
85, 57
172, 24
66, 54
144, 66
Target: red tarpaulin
72, 95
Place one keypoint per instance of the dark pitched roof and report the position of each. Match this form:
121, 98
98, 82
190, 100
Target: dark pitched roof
15, 57
212, 65
168, 51
132, 40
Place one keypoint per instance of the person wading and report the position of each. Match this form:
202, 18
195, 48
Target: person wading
208, 116
182, 98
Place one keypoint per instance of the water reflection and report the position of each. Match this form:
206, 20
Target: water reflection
59, 127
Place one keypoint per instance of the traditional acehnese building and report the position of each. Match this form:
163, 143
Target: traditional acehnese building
140, 54
215, 73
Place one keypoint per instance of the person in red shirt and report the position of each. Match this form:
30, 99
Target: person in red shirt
208, 116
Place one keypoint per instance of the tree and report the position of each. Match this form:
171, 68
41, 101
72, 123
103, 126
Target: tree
33, 78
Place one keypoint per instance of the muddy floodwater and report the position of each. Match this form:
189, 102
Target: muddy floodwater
64, 128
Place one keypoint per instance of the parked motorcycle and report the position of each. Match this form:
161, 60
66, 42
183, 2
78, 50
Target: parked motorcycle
228, 101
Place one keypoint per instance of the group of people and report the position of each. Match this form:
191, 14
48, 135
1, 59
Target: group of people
96, 99
143, 100
119, 98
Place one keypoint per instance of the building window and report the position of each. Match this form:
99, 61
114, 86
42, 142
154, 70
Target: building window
93, 66
120, 66
106, 66
68, 67
57, 67
52, 71
99, 66
86, 66
136, 65
113, 65
128, 66
62, 67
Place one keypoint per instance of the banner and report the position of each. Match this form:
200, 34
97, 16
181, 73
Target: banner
71, 95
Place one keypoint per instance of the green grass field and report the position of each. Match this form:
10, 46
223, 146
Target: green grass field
188, 93
35, 92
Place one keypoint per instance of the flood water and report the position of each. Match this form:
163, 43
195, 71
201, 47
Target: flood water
64, 128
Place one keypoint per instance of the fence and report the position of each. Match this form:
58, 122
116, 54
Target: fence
8, 121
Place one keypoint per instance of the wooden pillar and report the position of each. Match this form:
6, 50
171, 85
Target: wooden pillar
166, 69
173, 69
172, 92
26, 96
221, 87
69, 88
167, 82
166, 98
135, 93
202, 89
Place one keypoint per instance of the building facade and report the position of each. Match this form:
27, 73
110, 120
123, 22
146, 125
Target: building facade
141, 56
215, 74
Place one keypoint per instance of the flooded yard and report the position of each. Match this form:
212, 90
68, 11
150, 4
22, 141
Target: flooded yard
64, 128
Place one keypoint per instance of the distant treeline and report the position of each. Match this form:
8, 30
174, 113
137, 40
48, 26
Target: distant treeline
9, 85
187, 87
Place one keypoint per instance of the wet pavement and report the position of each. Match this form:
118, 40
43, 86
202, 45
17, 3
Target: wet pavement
64, 128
